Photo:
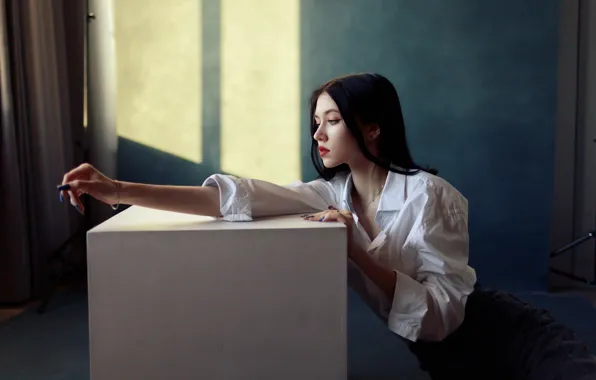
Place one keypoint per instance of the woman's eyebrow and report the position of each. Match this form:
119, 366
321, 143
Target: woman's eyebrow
329, 111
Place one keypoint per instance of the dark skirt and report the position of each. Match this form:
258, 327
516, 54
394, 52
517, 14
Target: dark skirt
505, 338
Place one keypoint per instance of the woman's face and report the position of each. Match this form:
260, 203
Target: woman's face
336, 144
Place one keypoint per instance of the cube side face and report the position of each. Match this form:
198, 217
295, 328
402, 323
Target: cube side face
218, 304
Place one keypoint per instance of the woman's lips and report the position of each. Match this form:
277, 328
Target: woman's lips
323, 151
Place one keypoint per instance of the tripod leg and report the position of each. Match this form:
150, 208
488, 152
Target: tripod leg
590, 235
577, 241
573, 277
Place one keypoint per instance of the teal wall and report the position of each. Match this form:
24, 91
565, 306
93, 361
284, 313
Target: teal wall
477, 80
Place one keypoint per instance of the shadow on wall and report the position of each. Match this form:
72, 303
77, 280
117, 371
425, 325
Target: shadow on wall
141, 163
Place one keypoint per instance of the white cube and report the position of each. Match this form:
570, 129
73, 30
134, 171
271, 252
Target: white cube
176, 296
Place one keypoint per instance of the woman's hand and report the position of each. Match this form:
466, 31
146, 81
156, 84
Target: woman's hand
335, 215
85, 179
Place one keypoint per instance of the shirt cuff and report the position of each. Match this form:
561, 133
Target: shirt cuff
410, 305
234, 197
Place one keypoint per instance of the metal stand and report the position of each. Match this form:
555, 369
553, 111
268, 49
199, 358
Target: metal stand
64, 266
565, 248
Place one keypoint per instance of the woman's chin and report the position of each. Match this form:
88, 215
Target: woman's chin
330, 164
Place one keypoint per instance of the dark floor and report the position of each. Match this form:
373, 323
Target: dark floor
54, 346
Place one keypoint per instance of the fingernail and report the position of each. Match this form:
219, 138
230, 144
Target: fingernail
79, 210
320, 220
64, 187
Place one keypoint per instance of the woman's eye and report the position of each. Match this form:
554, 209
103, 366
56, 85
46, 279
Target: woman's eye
333, 122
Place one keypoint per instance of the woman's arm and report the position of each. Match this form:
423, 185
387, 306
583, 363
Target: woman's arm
234, 199
431, 303
199, 200
85, 179
242, 199
382, 277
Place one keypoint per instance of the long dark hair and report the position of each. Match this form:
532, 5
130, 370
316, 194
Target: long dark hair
367, 98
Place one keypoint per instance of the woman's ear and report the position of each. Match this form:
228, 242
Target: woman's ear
371, 132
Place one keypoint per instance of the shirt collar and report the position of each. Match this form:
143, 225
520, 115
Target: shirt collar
394, 193
392, 198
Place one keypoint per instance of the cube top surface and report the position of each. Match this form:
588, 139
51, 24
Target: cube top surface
137, 218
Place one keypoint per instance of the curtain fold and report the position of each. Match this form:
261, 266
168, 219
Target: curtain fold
41, 66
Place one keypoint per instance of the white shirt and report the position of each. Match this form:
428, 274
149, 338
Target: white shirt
423, 239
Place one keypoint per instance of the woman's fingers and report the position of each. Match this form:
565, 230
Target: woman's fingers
63, 191
319, 216
329, 216
74, 190
82, 171
76, 202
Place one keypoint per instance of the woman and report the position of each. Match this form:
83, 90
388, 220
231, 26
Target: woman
407, 228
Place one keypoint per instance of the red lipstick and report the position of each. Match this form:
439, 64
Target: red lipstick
323, 151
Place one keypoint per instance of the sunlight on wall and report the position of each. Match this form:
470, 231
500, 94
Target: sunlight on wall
260, 89
158, 63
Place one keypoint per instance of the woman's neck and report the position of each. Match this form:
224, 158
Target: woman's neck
368, 179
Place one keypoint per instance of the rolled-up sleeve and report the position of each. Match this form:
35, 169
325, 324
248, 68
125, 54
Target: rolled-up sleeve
242, 199
431, 304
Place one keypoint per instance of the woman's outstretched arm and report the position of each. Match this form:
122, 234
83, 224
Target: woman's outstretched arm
199, 200
234, 199
85, 179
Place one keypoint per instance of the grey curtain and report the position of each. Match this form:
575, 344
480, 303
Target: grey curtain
41, 97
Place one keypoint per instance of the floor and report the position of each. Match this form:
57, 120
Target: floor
57, 341
10, 312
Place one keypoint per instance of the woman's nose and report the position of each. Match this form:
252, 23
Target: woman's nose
319, 136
